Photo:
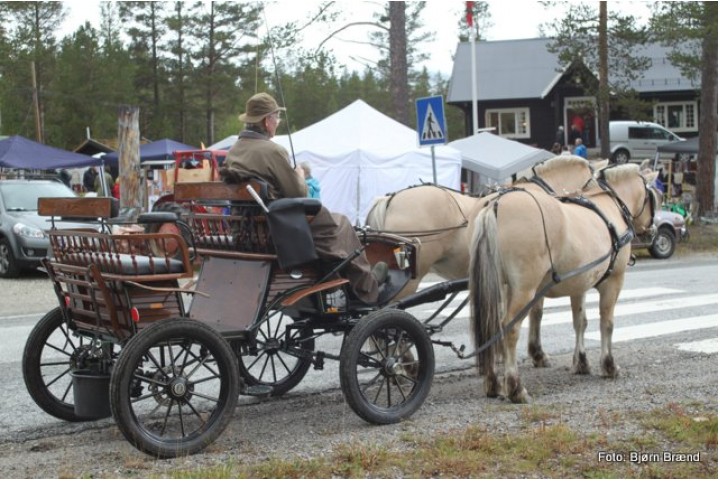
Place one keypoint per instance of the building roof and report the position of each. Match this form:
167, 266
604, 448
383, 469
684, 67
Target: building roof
506, 69
524, 69
662, 76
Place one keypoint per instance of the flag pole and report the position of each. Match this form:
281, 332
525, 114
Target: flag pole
473, 72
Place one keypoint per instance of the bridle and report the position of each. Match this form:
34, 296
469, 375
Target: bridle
650, 199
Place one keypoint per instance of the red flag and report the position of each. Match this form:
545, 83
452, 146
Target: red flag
469, 13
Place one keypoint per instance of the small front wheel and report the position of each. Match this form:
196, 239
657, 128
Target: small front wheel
387, 366
174, 388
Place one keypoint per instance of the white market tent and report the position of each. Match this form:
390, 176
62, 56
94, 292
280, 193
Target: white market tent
496, 158
359, 153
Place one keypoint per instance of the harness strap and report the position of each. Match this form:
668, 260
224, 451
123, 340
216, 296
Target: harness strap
429, 232
542, 183
556, 279
617, 243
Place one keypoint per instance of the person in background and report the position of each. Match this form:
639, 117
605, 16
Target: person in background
256, 155
556, 149
560, 136
580, 149
109, 182
313, 185
89, 177
65, 177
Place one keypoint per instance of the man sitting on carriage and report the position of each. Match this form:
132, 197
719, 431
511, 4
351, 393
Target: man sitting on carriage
254, 155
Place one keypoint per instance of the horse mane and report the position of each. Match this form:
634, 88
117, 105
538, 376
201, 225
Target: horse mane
556, 164
561, 163
376, 216
620, 172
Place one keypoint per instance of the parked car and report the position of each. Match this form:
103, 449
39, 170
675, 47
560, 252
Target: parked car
637, 140
23, 241
670, 230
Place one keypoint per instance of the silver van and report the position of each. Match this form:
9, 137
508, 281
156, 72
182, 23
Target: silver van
637, 140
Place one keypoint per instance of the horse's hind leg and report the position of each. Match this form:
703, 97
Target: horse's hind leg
608, 299
535, 350
580, 363
514, 389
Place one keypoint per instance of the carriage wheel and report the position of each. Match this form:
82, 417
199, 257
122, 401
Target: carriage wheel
273, 366
51, 352
386, 366
174, 388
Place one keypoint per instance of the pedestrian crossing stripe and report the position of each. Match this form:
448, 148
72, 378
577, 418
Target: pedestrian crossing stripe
660, 328
631, 302
709, 345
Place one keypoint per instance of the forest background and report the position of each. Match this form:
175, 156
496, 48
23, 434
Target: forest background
190, 66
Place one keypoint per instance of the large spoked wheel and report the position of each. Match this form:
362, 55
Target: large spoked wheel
174, 388
387, 366
275, 366
51, 352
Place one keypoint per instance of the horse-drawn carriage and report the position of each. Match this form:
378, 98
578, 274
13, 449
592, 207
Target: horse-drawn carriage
165, 330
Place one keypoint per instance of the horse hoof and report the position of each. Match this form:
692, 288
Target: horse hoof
611, 372
581, 365
521, 397
581, 370
542, 361
609, 368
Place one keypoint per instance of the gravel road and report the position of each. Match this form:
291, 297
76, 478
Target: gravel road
654, 373
312, 424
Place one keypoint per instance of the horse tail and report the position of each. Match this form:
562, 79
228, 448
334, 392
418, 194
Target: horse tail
376, 216
486, 286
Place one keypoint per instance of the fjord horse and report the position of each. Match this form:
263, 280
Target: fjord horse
442, 220
529, 244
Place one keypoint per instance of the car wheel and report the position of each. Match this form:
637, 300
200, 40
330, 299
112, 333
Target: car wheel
621, 156
664, 243
9, 268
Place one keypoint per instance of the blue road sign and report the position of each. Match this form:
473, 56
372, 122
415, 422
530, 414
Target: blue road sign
431, 120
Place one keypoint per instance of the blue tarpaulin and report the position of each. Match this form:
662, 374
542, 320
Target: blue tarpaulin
154, 151
20, 153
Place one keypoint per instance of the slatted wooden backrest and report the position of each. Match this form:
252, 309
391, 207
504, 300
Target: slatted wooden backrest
77, 207
215, 191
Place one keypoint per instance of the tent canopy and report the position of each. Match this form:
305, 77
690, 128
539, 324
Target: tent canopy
21, 153
154, 151
689, 146
496, 158
358, 154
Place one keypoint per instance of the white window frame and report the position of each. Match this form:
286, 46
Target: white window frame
661, 111
520, 131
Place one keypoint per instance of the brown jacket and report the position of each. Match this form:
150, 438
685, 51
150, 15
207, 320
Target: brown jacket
254, 155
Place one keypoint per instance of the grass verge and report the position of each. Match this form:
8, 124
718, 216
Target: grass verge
544, 448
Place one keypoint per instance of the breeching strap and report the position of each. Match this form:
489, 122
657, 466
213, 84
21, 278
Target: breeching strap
557, 278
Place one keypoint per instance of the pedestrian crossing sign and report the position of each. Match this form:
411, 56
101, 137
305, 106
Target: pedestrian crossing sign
431, 120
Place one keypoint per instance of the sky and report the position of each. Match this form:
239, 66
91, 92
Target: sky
510, 19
